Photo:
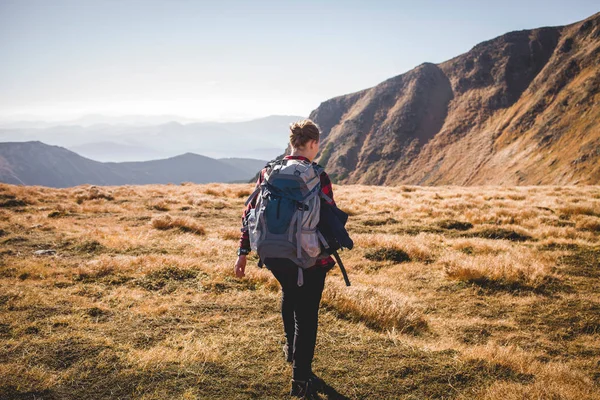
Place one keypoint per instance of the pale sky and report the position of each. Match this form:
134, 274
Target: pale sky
233, 59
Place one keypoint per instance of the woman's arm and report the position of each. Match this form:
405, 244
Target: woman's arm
327, 187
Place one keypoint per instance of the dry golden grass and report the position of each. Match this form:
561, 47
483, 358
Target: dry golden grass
589, 224
457, 292
184, 224
381, 309
517, 269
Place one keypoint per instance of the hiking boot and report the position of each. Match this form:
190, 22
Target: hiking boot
303, 390
287, 354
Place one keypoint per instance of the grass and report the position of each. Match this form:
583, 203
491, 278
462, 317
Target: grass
387, 254
457, 293
378, 309
502, 233
183, 224
457, 225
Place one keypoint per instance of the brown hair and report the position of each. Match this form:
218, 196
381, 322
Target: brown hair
303, 131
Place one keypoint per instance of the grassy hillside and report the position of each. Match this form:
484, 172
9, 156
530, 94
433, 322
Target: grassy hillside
466, 293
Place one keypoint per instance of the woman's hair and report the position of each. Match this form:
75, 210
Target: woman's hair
303, 131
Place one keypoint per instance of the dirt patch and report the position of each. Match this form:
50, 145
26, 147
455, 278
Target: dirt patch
63, 353
475, 334
98, 314
14, 240
429, 381
585, 262
414, 230
564, 319
558, 246
89, 246
10, 201
387, 254
455, 225
159, 279
501, 234
547, 285
14, 393
379, 222
5, 330
438, 375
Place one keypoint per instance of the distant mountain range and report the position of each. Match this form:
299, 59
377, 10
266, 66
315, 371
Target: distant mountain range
260, 139
36, 163
520, 109
27, 122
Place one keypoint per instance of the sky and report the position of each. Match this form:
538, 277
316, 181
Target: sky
231, 60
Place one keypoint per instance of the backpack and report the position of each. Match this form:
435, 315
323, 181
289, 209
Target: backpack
283, 224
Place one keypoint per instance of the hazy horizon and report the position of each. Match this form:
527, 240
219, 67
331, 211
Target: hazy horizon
232, 60
124, 119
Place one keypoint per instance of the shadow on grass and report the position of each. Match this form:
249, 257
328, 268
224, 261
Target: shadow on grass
548, 286
584, 262
500, 234
565, 319
387, 254
328, 392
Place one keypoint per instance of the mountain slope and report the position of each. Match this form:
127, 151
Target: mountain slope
523, 108
36, 163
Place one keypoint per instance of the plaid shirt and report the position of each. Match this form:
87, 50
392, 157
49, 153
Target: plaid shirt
326, 188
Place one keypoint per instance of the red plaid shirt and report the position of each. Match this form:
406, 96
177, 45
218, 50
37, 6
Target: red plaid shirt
326, 188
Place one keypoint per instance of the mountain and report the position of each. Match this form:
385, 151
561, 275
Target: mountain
520, 109
113, 151
262, 138
36, 163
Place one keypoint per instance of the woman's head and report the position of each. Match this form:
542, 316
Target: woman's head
304, 138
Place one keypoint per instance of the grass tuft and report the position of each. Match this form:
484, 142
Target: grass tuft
184, 224
93, 193
513, 272
378, 309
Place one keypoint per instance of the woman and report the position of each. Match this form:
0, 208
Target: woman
299, 304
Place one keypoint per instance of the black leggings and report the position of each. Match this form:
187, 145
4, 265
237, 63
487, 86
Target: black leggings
299, 310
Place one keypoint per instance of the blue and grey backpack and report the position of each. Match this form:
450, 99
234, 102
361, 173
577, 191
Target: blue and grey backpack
283, 223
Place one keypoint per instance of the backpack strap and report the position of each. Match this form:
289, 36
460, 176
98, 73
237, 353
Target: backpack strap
322, 239
324, 196
318, 169
281, 162
252, 195
299, 231
269, 166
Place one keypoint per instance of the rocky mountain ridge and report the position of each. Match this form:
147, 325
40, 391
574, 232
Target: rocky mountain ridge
520, 109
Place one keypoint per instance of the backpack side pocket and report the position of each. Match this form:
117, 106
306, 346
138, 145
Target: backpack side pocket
310, 242
253, 231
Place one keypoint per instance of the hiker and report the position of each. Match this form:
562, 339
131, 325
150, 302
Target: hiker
301, 287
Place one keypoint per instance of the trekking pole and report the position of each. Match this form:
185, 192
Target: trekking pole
341, 264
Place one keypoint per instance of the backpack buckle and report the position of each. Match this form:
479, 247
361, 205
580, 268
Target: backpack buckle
301, 206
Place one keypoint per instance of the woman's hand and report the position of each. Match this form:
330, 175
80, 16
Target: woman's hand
240, 266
